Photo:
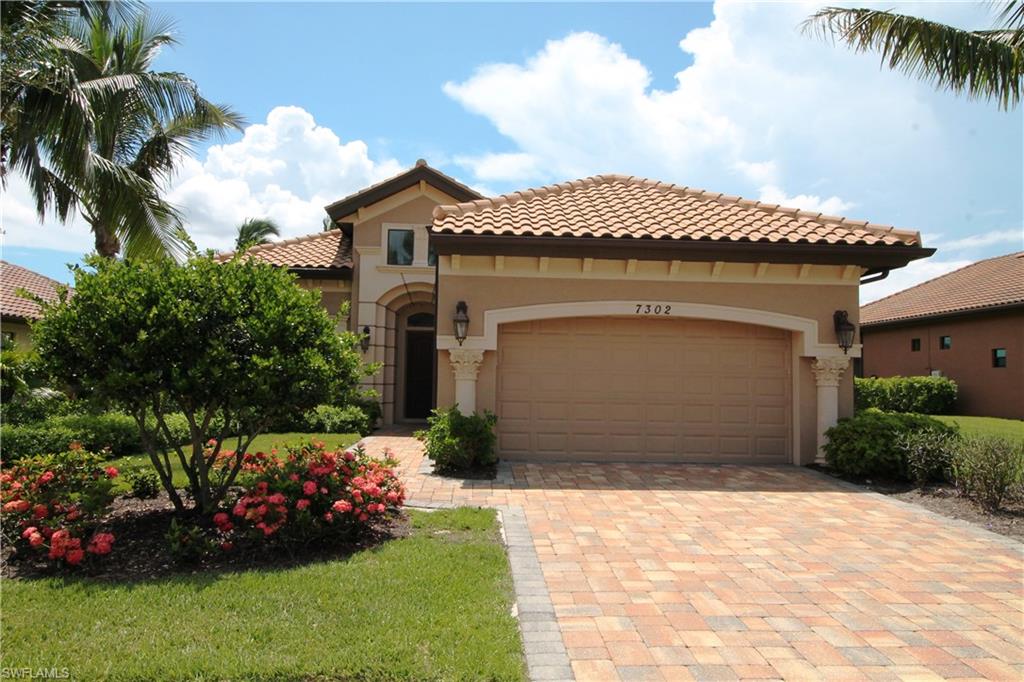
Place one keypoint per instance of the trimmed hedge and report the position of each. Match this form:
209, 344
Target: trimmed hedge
114, 432
870, 443
459, 442
921, 395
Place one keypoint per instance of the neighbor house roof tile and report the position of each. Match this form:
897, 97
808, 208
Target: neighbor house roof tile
14, 278
622, 207
331, 249
995, 282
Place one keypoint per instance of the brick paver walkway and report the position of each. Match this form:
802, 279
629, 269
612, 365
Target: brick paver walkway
678, 572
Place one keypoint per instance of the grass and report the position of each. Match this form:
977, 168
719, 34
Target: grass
431, 606
1012, 429
264, 442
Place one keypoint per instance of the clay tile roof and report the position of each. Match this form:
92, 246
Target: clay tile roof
13, 278
385, 188
331, 249
618, 206
991, 283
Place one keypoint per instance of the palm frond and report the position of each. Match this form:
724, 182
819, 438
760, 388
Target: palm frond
256, 231
972, 63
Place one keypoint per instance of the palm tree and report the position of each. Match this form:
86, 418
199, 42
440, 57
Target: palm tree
100, 132
256, 231
986, 64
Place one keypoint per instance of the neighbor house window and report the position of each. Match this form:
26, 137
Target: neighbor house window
945, 342
915, 344
999, 357
400, 245
431, 256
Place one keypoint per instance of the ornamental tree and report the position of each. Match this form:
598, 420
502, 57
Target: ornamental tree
233, 346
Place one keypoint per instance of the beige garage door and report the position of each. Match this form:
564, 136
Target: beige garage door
644, 389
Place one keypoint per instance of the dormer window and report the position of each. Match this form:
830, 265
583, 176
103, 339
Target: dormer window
400, 247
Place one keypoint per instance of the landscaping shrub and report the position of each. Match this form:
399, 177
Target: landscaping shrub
36, 405
332, 419
239, 340
459, 442
920, 395
112, 432
312, 493
868, 444
52, 505
144, 484
309, 495
989, 470
928, 454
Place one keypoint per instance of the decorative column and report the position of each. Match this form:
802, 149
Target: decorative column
828, 371
465, 366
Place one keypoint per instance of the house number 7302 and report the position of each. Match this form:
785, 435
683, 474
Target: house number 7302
653, 309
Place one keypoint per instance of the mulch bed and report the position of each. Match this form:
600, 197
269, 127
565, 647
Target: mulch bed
943, 499
141, 550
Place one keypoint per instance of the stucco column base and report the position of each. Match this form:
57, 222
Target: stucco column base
465, 366
828, 372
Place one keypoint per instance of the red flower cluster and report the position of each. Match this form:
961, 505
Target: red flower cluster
312, 491
56, 501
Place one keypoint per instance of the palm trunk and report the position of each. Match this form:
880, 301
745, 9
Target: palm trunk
107, 243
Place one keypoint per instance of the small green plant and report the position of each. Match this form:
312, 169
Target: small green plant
920, 395
868, 444
989, 470
144, 484
333, 419
187, 543
928, 454
458, 442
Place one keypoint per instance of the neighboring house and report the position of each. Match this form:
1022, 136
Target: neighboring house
16, 311
606, 318
967, 325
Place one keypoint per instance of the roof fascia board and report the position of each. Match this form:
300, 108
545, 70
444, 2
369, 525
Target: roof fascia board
889, 256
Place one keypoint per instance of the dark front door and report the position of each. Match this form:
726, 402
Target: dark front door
419, 373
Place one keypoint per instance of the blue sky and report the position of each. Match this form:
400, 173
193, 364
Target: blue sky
730, 98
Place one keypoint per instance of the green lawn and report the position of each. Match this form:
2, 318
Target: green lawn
264, 442
1012, 429
432, 606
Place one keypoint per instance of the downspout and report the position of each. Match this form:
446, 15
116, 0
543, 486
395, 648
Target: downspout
875, 276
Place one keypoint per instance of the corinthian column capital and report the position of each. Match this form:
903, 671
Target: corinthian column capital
828, 370
465, 363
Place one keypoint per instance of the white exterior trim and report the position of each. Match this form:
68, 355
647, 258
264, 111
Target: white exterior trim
805, 330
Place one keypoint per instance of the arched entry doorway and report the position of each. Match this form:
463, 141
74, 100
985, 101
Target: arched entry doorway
415, 362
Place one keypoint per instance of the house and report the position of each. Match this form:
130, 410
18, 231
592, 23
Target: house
606, 318
16, 310
967, 325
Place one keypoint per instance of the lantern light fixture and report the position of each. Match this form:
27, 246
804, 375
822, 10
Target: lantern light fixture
844, 330
364, 341
461, 321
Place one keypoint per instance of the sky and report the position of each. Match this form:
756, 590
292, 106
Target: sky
729, 97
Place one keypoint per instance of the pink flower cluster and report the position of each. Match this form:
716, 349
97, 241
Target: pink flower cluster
311, 491
56, 501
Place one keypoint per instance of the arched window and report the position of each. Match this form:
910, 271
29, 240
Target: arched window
421, 320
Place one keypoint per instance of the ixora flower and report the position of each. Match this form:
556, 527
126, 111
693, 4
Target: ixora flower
17, 506
100, 543
112, 472
309, 488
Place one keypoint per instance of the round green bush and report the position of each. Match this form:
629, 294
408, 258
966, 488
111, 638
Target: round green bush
921, 395
868, 444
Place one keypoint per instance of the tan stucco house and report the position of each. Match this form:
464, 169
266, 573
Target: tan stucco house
18, 288
610, 318
967, 325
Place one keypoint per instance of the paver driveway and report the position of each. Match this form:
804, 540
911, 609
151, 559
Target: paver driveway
680, 572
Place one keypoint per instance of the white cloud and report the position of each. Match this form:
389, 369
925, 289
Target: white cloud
1014, 239
904, 278
809, 202
287, 169
513, 166
21, 227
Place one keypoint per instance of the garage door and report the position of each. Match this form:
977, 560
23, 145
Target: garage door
644, 389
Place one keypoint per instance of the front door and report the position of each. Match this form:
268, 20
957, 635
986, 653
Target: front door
419, 373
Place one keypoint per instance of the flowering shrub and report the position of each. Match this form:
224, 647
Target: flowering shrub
310, 493
52, 504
